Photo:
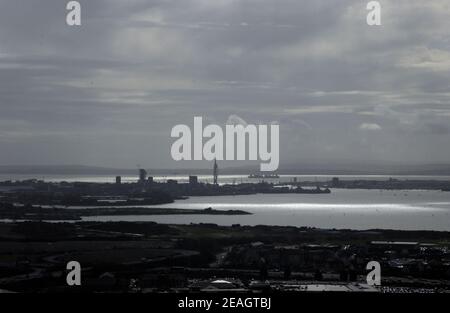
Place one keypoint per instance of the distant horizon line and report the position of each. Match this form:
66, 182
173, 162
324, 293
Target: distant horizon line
288, 169
287, 164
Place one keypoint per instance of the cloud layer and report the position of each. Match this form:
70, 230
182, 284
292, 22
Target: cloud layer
108, 92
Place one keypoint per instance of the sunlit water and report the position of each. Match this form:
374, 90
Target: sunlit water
343, 208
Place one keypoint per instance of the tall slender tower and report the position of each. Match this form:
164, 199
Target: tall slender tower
215, 172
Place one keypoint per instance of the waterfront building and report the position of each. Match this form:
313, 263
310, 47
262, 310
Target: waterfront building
193, 180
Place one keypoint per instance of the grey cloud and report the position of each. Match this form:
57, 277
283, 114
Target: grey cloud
136, 68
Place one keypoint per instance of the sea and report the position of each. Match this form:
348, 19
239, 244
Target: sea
358, 209
223, 179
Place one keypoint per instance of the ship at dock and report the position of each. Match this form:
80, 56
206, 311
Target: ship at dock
264, 188
265, 176
312, 190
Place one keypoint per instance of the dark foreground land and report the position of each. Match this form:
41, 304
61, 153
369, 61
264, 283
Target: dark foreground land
151, 257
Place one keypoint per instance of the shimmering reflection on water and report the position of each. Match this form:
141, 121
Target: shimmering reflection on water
354, 209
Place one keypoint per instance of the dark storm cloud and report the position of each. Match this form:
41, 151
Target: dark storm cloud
109, 91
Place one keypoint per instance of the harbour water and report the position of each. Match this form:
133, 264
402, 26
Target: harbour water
342, 209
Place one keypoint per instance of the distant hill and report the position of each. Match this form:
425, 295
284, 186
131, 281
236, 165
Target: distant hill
367, 169
90, 170
299, 169
60, 169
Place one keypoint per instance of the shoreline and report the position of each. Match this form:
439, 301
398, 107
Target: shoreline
51, 214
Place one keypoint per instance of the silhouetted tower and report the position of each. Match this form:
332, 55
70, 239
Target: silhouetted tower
215, 172
142, 175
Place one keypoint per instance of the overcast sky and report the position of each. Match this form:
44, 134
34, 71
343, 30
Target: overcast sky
108, 92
